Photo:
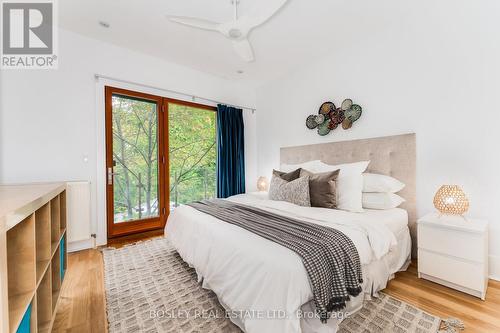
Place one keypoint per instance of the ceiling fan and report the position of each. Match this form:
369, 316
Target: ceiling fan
236, 30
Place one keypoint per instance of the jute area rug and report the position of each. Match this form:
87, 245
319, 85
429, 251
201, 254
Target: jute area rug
149, 288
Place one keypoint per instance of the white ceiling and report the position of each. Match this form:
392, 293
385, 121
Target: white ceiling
300, 32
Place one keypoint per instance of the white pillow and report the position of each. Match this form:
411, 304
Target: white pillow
349, 193
316, 166
349, 184
345, 169
381, 200
375, 183
310, 166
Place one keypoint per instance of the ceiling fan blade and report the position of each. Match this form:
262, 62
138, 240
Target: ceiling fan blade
244, 49
194, 22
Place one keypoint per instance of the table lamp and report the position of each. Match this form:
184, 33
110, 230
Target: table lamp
262, 183
451, 200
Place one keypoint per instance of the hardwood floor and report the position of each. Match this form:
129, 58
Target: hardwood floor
82, 304
478, 316
82, 307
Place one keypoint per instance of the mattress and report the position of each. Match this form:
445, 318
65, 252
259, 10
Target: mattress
250, 273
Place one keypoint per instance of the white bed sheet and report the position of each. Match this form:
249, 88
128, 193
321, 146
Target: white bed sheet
395, 219
249, 273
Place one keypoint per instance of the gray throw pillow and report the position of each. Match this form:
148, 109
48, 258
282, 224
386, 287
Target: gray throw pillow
296, 191
292, 175
322, 188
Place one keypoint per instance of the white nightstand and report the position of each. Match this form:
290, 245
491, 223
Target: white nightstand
453, 252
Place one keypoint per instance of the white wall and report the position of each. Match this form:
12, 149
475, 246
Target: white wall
51, 120
429, 67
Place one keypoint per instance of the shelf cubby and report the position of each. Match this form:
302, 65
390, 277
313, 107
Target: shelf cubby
55, 220
43, 240
44, 302
28, 322
20, 268
62, 205
56, 277
63, 248
34, 315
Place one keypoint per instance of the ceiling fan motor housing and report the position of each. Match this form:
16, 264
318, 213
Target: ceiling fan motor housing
235, 33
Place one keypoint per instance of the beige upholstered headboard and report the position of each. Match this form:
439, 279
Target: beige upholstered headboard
391, 155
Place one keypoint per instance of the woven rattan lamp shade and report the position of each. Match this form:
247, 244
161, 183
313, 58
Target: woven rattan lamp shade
450, 199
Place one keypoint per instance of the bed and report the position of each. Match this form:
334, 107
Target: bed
263, 285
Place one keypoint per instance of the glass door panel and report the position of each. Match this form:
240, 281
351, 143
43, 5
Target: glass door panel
134, 161
192, 153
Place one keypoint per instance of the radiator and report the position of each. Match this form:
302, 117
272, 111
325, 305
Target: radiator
78, 210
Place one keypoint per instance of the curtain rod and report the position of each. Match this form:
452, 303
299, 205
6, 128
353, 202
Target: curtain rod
193, 97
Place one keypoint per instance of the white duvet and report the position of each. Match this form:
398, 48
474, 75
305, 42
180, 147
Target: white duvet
264, 280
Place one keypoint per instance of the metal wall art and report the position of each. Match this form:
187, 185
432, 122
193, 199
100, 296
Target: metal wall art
329, 117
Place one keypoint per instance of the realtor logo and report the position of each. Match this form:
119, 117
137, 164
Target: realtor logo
28, 34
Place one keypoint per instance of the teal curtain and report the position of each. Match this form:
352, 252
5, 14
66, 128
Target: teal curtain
230, 151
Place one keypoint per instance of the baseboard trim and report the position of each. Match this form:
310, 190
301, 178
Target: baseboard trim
81, 245
494, 265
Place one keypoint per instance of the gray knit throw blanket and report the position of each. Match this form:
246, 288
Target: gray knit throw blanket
329, 257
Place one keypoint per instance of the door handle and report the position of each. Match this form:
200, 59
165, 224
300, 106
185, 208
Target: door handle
110, 176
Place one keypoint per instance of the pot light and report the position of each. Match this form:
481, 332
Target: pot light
104, 24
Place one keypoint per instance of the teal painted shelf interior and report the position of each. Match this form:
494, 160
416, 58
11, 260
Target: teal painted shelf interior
25, 325
61, 254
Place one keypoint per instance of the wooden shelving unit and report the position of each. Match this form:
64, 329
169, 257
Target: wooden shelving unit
32, 229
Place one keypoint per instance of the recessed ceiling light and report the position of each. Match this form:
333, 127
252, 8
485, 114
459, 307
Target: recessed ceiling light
239, 71
104, 24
